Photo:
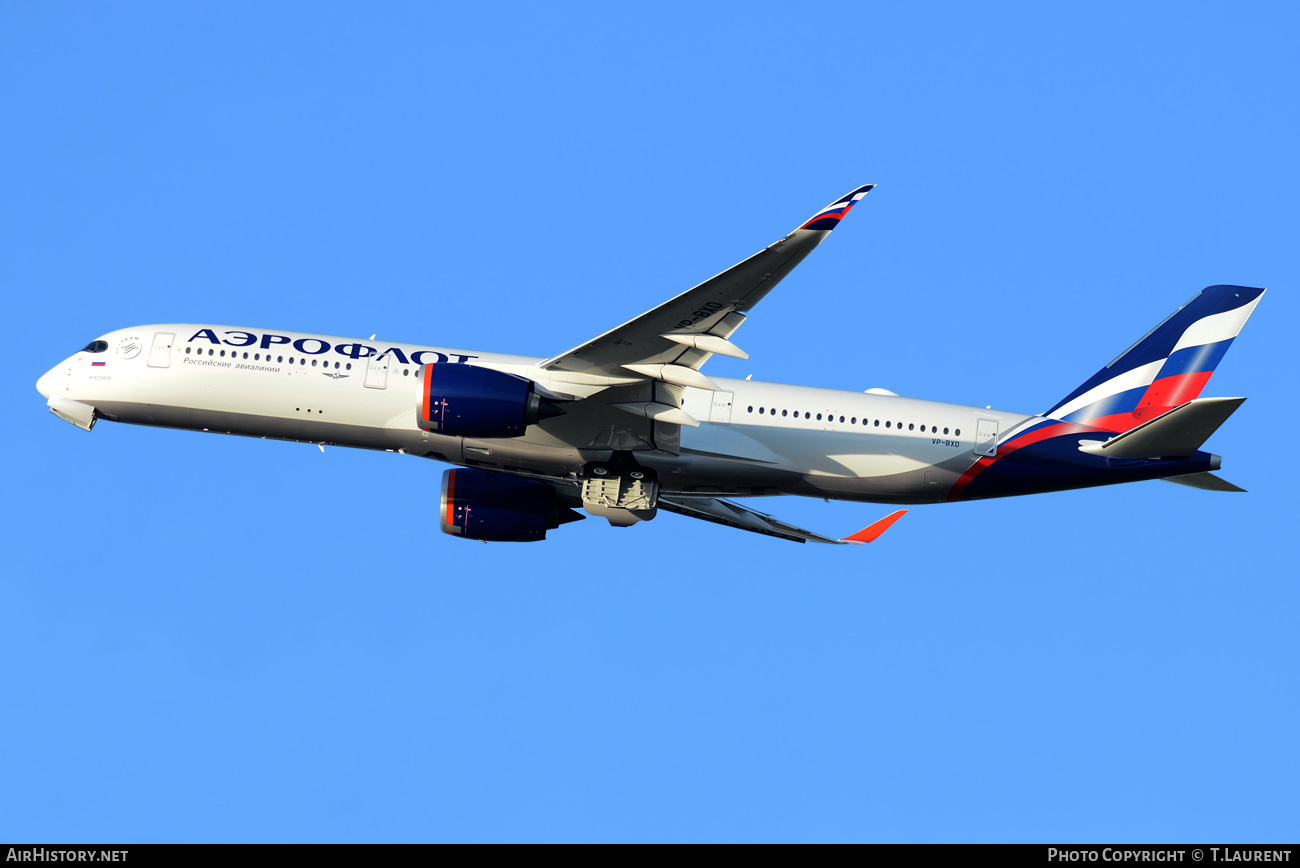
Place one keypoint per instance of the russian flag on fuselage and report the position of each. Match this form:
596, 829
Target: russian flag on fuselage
1166, 368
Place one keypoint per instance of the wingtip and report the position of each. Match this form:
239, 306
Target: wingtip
872, 531
829, 217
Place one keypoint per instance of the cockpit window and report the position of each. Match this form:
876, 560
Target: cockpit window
96, 347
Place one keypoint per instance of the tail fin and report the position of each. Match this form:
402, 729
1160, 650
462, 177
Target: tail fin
1166, 368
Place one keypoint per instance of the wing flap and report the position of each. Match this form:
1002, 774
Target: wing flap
732, 514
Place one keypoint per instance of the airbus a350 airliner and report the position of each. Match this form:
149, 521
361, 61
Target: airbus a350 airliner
627, 423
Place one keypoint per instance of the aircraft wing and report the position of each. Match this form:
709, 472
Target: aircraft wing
671, 342
732, 514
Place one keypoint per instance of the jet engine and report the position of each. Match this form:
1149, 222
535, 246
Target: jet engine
466, 401
497, 507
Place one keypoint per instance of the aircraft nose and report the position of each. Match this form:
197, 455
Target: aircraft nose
45, 385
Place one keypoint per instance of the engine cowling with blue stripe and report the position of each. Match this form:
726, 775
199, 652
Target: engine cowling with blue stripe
467, 401
497, 507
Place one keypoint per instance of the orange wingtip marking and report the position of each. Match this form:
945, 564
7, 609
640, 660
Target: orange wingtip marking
869, 533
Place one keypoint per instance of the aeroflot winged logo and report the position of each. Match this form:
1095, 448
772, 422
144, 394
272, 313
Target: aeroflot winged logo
318, 347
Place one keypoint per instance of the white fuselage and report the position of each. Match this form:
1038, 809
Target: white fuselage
754, 438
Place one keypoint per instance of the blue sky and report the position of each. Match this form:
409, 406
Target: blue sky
221, 639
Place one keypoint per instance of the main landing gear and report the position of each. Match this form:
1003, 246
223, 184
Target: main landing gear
620, 490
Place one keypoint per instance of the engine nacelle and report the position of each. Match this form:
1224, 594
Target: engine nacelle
466, 401
497, 507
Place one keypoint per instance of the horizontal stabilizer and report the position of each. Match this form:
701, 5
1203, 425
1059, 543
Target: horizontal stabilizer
1205, 481
1175, 434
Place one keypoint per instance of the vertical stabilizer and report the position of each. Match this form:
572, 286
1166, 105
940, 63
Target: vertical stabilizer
1166, 368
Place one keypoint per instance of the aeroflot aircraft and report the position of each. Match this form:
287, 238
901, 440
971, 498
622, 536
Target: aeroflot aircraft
627, 423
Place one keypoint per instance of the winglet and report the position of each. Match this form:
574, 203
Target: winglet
870, 532
829, 217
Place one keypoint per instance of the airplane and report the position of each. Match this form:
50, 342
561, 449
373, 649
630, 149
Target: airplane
627, 423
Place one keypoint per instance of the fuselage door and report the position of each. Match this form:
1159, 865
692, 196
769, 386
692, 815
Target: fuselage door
160, 355
377, 372
721, 410
986, 437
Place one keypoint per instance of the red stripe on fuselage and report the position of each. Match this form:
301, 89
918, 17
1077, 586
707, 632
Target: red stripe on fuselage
1011, 446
